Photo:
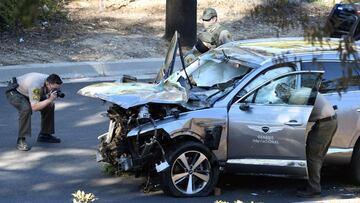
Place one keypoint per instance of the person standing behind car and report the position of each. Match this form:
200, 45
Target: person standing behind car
34, 92
205, 42
211, 25
318, 143
318, 140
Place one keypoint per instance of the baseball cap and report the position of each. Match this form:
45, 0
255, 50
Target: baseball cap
208, 14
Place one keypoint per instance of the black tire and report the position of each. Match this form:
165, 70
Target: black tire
204, 175
355, 164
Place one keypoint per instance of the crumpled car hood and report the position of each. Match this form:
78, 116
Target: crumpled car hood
128, 95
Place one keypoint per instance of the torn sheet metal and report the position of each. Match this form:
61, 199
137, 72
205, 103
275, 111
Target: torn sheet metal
128, 95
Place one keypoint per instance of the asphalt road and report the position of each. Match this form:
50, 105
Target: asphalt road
51, 172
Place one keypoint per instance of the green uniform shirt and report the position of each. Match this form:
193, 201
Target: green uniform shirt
220, 33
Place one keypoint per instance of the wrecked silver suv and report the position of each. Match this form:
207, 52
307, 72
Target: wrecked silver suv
224, 113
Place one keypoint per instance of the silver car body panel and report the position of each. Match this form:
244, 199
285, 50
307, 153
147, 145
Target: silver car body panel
338, 156
192, 124
348, 118
269, 131
269, 162
128, 95
248, 139
334, 150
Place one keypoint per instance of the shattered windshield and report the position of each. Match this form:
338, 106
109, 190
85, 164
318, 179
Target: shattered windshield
211, 77
218, 66
214, 78
211, 73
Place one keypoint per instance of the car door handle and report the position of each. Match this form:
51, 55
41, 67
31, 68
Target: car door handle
293, 123
358, 110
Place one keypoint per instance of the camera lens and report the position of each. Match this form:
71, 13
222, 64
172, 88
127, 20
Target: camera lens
60, 94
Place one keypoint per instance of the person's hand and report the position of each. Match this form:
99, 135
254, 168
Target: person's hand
192, 81
53, 96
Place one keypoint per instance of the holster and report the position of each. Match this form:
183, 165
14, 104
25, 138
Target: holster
12, 85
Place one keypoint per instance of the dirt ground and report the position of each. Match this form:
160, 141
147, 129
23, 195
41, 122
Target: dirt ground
129, 29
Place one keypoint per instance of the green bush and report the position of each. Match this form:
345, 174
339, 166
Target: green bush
109, 169
25, 13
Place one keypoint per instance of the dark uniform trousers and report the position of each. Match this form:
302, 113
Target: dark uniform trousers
317, 145
22, 104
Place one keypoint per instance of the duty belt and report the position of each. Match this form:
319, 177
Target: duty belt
14, 91
327, 118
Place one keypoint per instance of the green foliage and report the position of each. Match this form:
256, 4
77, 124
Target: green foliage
25, 13
110, 169
113, 170
281, 13
287, 14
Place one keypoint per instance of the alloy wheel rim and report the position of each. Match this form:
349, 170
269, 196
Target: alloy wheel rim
190, 172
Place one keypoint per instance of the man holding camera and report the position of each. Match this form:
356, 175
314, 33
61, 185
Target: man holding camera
35, 92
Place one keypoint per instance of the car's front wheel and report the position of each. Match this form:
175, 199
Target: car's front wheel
355, 163
193, 170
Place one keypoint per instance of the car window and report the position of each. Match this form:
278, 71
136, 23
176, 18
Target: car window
213, 72
261, 78
284, 91
337, 76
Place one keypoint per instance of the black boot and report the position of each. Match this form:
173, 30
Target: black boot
48, 138
308, 193
22, 145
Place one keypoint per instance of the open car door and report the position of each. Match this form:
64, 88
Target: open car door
267, 126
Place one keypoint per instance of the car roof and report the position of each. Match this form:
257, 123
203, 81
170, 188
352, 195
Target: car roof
260, 50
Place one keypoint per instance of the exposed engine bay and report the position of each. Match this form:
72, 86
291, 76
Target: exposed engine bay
138, 153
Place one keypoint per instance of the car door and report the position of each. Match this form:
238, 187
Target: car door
267, 125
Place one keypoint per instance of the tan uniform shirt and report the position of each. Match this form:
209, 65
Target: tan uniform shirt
322, 108
30, 85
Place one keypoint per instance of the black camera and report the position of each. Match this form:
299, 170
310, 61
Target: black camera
59, 93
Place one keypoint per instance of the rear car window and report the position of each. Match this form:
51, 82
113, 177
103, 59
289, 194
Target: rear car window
338, 76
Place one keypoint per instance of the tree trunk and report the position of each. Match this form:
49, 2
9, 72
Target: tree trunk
181, 16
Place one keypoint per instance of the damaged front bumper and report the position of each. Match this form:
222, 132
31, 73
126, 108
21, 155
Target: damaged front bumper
131, 154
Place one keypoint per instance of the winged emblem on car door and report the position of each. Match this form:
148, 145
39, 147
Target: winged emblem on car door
265, 129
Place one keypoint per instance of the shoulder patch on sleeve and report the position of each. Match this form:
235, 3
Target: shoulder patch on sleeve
36, 94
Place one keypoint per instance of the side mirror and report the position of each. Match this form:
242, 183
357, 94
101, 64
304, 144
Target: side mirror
244, 106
